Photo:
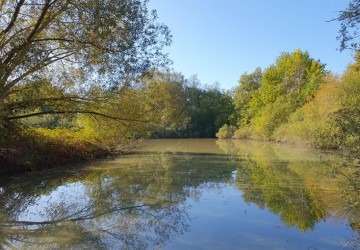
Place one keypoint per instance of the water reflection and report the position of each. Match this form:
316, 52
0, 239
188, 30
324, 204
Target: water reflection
143, 200
95, 210
302, 187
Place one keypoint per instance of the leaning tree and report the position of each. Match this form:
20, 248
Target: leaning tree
71, 45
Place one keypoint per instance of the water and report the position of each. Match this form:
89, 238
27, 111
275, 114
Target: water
187, 194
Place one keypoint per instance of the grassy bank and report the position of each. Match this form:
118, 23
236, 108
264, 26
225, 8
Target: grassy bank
35, 149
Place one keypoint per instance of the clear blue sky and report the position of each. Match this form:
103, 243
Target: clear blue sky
221, 39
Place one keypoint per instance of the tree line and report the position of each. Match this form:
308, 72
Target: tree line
79, 79
297, 100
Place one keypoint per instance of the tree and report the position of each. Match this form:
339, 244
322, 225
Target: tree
74, 45
208, 108
331, 118
165, 103
293, 72
347, 118
312, 123
349, 31
285, 86
248, 83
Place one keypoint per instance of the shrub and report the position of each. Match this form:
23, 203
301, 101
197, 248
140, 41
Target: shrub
314, 122
225, 132
243, 133
30, 149
274, 115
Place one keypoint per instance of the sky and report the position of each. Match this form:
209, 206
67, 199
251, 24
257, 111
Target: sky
219, 40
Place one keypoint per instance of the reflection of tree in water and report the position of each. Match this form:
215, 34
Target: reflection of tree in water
134, 227
125, 225
282, 192
302, 187
350, 197
71, 216
139, 201
121, 204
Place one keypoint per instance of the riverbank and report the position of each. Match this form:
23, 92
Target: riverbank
37, 149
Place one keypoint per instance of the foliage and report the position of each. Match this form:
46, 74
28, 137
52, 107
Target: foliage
349, 31
331, 118
265, 100
347, 118
73, 46
273, 115
193, 110
165, 93
99, 126
42, 98
70, 66
248, 83
296, 100
294, 73
31, 149
208, 110
313, 123
244, 132
226, 132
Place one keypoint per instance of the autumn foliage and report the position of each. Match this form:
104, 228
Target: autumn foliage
296, 100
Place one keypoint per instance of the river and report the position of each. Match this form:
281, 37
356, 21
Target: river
187, 194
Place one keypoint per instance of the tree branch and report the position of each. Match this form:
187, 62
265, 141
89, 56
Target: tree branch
40, 20
14, 17
76, 112
95, 45
36, 68
41, 101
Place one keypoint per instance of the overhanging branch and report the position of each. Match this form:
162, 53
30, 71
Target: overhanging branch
18, 117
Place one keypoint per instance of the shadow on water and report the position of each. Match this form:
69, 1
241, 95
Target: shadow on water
141, 201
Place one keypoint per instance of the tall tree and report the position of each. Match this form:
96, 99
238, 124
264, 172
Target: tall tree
75, 44
285, 86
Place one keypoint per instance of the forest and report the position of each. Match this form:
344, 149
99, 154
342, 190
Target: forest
81, 80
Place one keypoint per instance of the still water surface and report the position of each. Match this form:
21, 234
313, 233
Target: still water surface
187, 194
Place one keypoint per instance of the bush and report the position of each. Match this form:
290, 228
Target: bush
225, 132
274, 115
243, 133
30, 149
313, 123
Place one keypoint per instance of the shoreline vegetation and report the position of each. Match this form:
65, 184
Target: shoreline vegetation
38, 149
311, 106
35, 150
73, 91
